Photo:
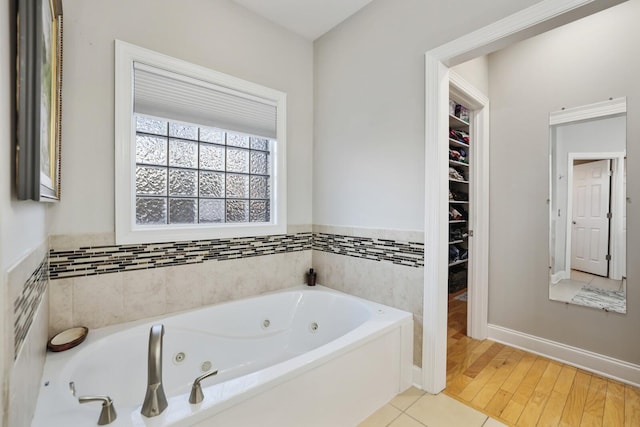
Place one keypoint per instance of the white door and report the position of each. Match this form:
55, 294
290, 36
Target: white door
590, 232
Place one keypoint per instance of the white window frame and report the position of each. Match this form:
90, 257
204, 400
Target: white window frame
127, 231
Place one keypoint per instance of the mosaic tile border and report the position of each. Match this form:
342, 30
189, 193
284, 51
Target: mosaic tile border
90, 261
410, 254
24, 307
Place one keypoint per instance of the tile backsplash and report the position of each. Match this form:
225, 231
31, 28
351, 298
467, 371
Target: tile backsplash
26, 318
25, 305
410, 254
94, 260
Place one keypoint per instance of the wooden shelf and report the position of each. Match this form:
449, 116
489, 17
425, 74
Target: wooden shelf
456, 163
457, 180
462, 261
457, 123
456, 143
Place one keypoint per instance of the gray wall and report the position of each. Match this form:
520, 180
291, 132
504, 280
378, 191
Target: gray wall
369, 108
588, 61
218, 34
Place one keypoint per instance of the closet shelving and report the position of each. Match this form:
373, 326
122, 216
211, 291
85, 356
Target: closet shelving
459, 205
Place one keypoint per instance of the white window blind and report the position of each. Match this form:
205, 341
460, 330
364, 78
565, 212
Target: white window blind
173, 96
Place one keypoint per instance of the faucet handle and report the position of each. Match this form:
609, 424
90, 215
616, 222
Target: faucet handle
196, 395
108, 412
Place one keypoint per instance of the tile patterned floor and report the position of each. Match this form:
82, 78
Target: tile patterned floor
566, 289
415, 408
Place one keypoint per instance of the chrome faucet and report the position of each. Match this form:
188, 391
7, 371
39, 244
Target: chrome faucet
155, 401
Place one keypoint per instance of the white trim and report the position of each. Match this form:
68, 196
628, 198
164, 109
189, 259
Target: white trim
434, 335
606, 366
555, 278
534, 20
416, 374
589, 111
126, 230
478, 282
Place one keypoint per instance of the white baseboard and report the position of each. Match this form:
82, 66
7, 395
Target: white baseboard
555, 278
606, 366
417, 377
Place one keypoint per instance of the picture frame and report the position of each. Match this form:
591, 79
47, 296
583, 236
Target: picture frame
39, 99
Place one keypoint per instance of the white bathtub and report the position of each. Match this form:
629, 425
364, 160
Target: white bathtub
300, 357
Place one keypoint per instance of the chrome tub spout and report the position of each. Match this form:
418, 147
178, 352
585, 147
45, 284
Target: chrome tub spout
155, 401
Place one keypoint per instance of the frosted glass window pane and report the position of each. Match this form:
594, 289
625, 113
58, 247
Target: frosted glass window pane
237, 160
260, 144
211, 157
183, 153
151, 181
212, 211
237, 211
259, 211
238, 186
151, 150
259, 187
212, 184
182, 211
149, 125
237, 140
183, 182
212, 135
183, 130
259, 163
151, 210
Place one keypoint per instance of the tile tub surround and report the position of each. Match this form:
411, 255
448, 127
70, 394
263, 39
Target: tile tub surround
97, 283
351, 262
107, 299
26, 314
27, 285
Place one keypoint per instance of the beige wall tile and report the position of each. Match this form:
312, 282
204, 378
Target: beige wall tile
417, 340
26, 372
144, 293
416, 236
98, 300
216, 282
298, 228
66, 242
60, 305
384, 282
21, 271
184, 287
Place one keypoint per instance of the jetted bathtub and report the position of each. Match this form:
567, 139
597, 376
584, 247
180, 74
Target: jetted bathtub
298, 357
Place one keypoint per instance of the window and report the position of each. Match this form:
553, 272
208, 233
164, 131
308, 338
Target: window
190, 174
199, 154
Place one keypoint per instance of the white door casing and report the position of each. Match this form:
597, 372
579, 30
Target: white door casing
534, 20
589, 213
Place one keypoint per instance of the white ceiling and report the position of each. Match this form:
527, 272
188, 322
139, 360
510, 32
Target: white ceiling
309, 18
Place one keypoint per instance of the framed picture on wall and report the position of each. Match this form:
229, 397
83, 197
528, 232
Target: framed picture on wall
39, 85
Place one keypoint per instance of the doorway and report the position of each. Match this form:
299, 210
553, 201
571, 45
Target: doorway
527, 23
590, 216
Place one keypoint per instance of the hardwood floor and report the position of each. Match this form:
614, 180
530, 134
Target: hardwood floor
522, 389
